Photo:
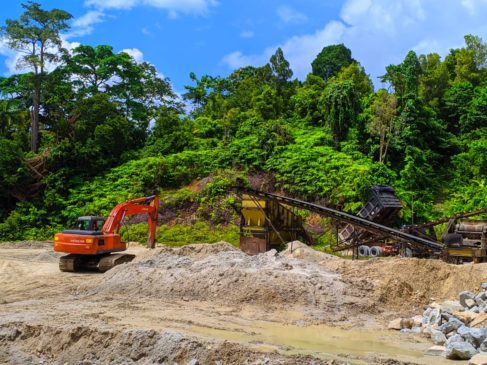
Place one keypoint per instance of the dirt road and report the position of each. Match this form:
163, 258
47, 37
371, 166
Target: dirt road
212, 304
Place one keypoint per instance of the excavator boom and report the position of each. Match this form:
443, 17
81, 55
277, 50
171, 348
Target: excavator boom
147, 205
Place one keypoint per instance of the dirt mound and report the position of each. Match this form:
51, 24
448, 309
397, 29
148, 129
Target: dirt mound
299, 250
314, 281
220, 273
49, 256
85, 345
401, 283
26, 244
197, 251
200, 251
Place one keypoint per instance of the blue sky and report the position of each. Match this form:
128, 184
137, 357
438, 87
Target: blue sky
216, 36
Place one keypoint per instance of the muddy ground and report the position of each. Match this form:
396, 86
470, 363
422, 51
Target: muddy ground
212, 304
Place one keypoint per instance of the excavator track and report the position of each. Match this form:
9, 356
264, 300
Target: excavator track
100, 263
110, 261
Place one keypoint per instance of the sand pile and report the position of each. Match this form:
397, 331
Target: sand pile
299, 250
223, 274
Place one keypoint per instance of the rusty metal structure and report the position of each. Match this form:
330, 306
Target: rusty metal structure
268, 221
256, 231
464, 239
383, 207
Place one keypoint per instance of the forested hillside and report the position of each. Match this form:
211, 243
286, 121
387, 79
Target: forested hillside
91, 127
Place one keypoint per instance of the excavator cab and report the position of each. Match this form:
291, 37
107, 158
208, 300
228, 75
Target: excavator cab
88, 225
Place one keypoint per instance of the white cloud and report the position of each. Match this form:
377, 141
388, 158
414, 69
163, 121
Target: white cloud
84, 25
299, 51
381, 32
11, 57
174, 7
289, 15
88, 19
246, 34
471, 5
135, 53
116, 4
237, 59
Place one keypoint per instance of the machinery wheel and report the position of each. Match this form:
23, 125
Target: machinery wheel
363, 251
376, 251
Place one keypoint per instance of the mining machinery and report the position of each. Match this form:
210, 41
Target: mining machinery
95, 244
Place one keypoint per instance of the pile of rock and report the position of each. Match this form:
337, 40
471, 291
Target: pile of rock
458, 328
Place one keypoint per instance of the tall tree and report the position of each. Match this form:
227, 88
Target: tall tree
36, 34
280, 67
382, 122
331, 60
404, 78
136, 86
479, 49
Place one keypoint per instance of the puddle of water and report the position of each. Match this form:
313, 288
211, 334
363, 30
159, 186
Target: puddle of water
317, 340
325, 341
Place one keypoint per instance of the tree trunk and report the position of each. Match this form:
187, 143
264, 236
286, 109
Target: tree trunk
35, 117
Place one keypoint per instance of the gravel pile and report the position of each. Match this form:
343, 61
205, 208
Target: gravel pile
458, 328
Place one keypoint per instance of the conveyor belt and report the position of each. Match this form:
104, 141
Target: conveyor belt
365, 224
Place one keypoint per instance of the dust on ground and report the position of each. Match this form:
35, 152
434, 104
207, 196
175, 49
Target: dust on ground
213, 304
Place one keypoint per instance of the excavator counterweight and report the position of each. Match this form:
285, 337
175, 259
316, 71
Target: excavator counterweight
94, 242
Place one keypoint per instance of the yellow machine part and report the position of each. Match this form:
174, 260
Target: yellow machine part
252, 211
461, 251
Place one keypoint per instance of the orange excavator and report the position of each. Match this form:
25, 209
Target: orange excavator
92, 248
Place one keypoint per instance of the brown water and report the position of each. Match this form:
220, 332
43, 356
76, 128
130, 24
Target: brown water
328, 342
357, 346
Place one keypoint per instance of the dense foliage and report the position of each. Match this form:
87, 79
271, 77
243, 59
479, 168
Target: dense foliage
111, 129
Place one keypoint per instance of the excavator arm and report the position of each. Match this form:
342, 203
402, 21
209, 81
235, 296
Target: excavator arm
146, 205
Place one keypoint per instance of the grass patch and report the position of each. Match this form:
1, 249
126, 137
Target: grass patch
184, 234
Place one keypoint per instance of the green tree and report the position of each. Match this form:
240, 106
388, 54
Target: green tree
382, 123
306, 102
171, 133
356, 73
479, 49
331, 60
455, 105
434, 79
36, 34
137, 87
280, 67
93, 68
465, 67
12, 117
404, 78
476, 113
11, 169
341, 106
